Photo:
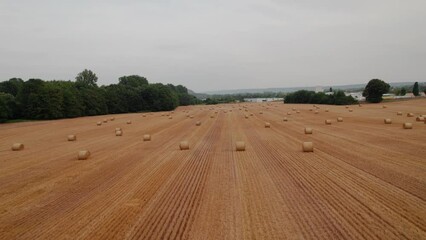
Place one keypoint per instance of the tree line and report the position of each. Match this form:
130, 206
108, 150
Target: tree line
303, 96
39, 99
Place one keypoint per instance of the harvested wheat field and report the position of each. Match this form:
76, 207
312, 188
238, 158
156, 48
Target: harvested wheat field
364, 179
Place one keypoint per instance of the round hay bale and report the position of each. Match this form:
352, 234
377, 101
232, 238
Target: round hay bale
339, 119
410, 115
399, 113
71, 137
211, 116
191, 116
99, 123
240, 146
285, 119
387, 121
184, 145
384, 106
246, 116
260, 112
105, 120
308, 130
294, 109
129, 122
170, 117
327, 110
407, 125
144, 115
146, 137
297, 111
351, 110
198, 123
17, 147
359, 105
83, 155
112, 119
316, 111
310, 109
118, 133
420, 119
267, 125
328, 122
118, 129
346, 107
308, 147
288, 113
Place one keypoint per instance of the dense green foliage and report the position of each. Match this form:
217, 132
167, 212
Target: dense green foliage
304, 96
374, 90
38, 99
416, 89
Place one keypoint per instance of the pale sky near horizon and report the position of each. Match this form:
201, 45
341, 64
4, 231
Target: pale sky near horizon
216, 45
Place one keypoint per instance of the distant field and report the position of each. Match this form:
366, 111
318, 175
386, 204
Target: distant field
364, 180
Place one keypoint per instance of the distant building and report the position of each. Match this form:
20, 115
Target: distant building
319, 89
356, 95
263, 99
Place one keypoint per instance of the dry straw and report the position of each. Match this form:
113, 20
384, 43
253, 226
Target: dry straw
297, 111
118, 133
308, 130
198, 123
328, 122
399, 113
267, 125
285, 119
184, 145
420, 119
71, 137
351, 110
260, 112
384, 106
99, 123
146, 137
129, 122
407, 125
170, 117
105, 120
112, 119
339, 119
246, 116
410, 115
327, 110
288, 113
387, 121
308, 147
316, 111
17, 147
118, 129
240, 146
83, 155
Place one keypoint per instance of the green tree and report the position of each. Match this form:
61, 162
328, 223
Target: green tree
7, 106
132, 81
13, 86
374, 90
331, 89
86, 78
403, 92
416, 89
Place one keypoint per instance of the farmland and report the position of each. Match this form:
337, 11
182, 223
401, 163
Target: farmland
364, 180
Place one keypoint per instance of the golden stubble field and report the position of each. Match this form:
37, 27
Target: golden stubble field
364, 180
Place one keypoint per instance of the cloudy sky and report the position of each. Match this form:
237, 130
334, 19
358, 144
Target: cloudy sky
216, 44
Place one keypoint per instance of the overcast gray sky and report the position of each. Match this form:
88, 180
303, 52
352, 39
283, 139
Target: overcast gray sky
217, 44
